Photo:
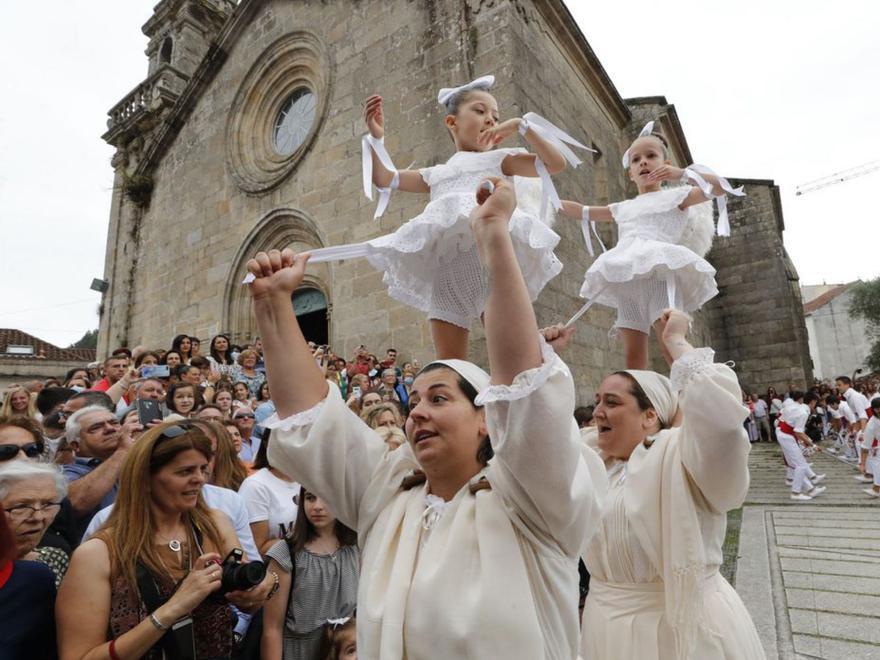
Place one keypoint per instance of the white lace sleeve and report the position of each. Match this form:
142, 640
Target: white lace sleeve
539, 470
295, 421
524, 383
689, 365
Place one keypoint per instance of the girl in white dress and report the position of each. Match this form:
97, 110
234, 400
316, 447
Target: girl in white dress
431, 261
655, 590
464, 554
663, 235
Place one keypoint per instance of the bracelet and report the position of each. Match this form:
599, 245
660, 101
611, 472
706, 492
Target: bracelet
112, 650
524, 126
274, 586
158, 624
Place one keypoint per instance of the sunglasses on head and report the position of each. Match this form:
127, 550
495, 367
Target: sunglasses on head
8, 452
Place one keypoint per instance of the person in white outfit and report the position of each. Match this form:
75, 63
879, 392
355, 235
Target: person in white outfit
655, 590
464, 555
790, 431
860, 406
870, 453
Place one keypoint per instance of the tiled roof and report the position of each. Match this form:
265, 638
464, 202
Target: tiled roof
820, 301
11, 337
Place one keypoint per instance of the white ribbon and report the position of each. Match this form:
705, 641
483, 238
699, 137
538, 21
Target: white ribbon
483, 82
333, 253
435, 506
560, 140
579, 313
368, 142
693, 172
647, 129
338, 622
586, 226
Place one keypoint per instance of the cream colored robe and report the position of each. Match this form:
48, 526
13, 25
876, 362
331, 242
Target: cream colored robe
496, 576
676, 495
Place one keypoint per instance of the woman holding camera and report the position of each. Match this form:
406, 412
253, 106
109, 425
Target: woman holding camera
152, 576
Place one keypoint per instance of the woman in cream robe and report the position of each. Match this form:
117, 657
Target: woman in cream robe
482, 565
655, 589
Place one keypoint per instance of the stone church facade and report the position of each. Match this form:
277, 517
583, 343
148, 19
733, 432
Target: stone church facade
245, 136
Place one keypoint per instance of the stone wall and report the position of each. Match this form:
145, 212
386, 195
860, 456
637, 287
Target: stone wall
175, 265
757, 318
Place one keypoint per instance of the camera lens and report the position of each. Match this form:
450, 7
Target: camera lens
238, 577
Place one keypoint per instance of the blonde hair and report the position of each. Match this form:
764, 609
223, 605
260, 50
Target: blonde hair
7, 411
229, 471
392, 436
371, 415
130, 530
248, 352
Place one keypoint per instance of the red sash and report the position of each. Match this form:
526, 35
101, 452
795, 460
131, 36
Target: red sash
785, 428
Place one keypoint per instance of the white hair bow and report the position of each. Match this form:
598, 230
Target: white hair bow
483, 82
646, 130
338, 622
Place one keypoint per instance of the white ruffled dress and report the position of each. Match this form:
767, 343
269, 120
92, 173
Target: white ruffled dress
431, 262
649, 269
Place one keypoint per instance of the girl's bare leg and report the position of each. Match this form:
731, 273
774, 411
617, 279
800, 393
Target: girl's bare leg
635, 348
658, 331
450, 341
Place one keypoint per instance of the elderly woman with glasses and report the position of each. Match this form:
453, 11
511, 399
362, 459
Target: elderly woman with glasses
31, 495
151, 581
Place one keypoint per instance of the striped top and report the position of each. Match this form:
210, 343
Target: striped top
325, 586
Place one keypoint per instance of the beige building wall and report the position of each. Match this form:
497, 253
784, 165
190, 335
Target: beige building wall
217, 194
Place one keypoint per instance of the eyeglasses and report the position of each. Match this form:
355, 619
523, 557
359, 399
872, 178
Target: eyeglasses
8, 452
24, 511
244, 415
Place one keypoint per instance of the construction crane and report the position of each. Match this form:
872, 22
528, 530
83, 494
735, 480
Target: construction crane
837, 177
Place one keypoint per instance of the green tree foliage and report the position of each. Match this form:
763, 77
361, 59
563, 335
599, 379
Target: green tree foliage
88, 340
865, 304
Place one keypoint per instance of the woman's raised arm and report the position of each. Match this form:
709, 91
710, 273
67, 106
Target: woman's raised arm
297, 382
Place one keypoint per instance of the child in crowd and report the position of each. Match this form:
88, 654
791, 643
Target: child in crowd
869, 464
318, 581
431, 261
663, 234
340, 642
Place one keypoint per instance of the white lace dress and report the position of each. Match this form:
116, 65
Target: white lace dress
431, 261
649, 269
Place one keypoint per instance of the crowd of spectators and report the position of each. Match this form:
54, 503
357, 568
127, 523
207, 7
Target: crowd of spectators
112, 458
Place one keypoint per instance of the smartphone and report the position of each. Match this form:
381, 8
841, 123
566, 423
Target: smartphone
155, 371
148, 411
356, 391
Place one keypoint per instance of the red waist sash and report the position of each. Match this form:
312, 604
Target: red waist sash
785, 428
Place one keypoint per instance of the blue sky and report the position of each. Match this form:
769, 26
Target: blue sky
772, 90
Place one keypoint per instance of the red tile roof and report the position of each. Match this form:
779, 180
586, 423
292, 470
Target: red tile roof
13, 337
820, 301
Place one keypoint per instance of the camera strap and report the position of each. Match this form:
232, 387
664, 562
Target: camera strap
178, 643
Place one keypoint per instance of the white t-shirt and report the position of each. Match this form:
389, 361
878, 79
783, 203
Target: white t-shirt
269, 498
858, 402
872, 436
847, 412
760, 408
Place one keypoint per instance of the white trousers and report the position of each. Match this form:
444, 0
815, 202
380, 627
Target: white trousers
801, 473
872, 466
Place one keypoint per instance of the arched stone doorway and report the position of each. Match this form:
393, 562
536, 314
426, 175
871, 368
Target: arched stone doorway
312, 313
279, 229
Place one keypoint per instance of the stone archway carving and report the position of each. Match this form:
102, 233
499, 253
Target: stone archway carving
278, 229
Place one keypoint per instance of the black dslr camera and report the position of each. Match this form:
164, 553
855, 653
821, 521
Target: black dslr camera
237, 576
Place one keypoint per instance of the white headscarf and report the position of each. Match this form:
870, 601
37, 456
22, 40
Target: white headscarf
659, 392
473, 374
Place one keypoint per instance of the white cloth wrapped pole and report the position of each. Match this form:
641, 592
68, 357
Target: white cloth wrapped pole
694, 173
559, 139
368, 144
